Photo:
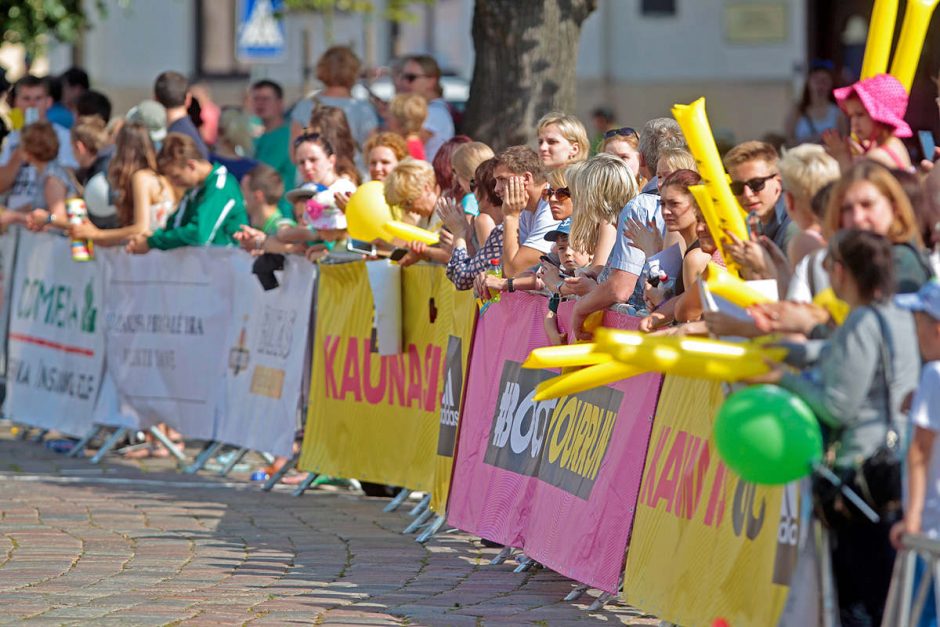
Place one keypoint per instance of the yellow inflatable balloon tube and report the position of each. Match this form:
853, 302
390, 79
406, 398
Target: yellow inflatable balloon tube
411, 233
721, 283
837, 308
911, 41
698, 134
565, 356
880, 34
585, 379
706, 205
689, 357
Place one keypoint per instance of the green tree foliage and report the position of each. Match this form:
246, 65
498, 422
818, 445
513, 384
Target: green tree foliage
395, 10
32, 23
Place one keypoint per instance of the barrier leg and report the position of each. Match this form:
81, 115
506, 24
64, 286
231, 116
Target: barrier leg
829, 605
109, 444
926, 581
525, 563
576, 592
396, 502
39, 437
267, 457
287, 467
165, 441
204, 456
432, 528
422, 505
79, 447
237, 456
418, 522
601, 601
307, 482
23, 433
504, 554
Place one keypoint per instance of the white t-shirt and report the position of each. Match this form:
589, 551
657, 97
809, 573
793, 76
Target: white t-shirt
441, 124
809, 278
925, 413
533, 225
360, 115
24, 185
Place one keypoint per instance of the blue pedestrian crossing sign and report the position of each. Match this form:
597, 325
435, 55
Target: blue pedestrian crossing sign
259, 34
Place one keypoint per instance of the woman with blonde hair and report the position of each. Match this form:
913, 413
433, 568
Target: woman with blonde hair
562, 140
411, 190
338, 69
869, 198
600, 189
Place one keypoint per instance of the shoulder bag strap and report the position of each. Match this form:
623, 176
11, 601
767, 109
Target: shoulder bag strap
887, 353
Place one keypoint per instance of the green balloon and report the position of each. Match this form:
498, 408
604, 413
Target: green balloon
768, 435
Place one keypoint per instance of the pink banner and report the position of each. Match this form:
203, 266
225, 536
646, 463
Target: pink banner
559, 478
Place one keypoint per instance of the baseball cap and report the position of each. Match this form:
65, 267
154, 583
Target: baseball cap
151, 114
305, 191
927, 299
563, 228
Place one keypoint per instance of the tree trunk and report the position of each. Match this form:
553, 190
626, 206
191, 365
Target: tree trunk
526, 54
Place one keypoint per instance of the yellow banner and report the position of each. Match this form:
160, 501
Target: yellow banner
705, 542
378, 418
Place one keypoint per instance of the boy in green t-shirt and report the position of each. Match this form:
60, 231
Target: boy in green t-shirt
211, 212
262, 188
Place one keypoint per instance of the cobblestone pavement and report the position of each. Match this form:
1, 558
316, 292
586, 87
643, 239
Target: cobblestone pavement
131, 543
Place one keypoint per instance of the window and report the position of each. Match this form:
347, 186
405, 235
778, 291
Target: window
215, 40
658, 8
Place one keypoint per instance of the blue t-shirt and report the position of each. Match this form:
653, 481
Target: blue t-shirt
185, 126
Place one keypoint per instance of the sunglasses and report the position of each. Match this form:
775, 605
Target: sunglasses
306, 136
755, 184
408, 77
561, 193
625, 131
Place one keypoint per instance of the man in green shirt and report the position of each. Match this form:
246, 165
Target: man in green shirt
211, 212
273, 146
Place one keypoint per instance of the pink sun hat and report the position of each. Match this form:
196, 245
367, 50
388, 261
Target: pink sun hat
883, 97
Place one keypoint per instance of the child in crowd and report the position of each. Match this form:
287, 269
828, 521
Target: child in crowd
569, 261
922, 510
875, 107
407, 115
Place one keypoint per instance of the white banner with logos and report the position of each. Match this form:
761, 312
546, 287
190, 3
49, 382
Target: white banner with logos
56, 342
167, 317
265, 350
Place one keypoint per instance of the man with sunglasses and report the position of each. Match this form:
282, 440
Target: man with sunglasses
755, 181
420, 74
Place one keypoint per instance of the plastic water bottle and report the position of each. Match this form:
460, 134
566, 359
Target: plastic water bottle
496, 270
77, 212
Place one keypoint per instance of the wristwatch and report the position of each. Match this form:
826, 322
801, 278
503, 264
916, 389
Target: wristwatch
510, 287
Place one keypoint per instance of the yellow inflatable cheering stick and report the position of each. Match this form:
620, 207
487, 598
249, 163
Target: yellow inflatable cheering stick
721, 283
911, 42
369, 218
565, 356
698, 134
585, 379
696, 358
706, 205
880, 35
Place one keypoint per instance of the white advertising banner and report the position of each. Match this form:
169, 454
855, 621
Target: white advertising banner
265, 357
7, 258
167, 317
56, 340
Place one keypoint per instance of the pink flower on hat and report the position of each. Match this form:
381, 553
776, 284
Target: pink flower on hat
883, 97
314, 209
